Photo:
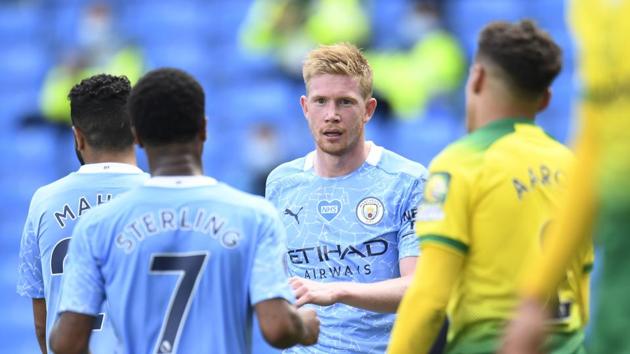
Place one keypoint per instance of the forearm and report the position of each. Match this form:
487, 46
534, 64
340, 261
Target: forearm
423, 309
418, 322
39, 318
71, 333
41, 339
383, 296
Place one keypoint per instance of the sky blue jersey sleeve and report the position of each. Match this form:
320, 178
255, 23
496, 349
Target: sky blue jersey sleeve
30, 280
269, 278
83, 286
408, 245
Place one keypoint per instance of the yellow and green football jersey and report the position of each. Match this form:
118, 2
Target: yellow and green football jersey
492, 195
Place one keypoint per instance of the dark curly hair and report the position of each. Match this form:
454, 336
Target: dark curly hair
98, 109
529, 57
167, 106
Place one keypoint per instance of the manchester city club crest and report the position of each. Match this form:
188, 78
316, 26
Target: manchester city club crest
370, 211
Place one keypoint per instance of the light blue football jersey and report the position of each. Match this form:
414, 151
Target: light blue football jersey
351, 228
181, 262
54, 211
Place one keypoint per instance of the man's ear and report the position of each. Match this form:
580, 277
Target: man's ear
203, 134
303, 100
136, 138
544, 100
370, 107
79, 138
478, 78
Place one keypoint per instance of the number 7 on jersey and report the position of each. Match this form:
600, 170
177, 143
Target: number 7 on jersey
188, 266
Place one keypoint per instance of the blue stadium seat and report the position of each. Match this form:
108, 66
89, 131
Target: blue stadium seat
557, 118
64, 24
225, 18
24, 64
384, 17
466, 17
269, 100
241, 66
149, 19
422, 139
548, 14
186, 54
15, 102
19, 22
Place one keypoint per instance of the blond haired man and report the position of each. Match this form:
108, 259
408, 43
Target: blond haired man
348, 208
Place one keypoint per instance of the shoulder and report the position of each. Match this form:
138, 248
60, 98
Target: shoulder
45, 194
462, 157
58, 186
286, 170
393, 163
560, 147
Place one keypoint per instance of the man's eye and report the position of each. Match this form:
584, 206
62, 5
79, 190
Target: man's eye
346, 102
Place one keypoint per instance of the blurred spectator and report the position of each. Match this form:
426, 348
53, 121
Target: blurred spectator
100, 50
288, 29
429, 63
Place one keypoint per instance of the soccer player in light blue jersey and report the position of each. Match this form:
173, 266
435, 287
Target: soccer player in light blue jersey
104, 145
183, 260
348, 208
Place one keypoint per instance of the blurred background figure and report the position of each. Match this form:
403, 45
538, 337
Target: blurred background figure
597, 207
99, 49
233, 48
427, 63
288, 29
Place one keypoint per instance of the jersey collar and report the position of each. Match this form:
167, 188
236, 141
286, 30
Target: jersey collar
109, 167
508, 122
180, 181
373, 158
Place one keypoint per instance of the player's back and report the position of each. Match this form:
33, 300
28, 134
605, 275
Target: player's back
177, 263
54, 211
506, 179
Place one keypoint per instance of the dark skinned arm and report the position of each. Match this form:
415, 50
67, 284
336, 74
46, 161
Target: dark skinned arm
71, 333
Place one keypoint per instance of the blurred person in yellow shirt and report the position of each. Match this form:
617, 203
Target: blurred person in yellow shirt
598, 198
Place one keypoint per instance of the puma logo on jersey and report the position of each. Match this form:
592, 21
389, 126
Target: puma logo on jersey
288, 211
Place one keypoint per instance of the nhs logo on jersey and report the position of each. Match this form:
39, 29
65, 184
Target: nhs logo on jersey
329, 209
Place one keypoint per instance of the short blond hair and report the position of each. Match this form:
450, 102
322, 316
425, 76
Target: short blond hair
339, 59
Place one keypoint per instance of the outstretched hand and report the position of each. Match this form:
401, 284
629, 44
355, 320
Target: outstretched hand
312, 292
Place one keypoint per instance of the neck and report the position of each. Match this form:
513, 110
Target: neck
500, 106
127, 156
179, 159
328, 165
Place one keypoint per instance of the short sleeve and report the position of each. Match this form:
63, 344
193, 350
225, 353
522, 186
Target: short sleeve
443, 214
270, 191
83, 286
407, 240
269, 278
30, 280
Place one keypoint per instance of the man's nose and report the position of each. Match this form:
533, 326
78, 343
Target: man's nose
332, 115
